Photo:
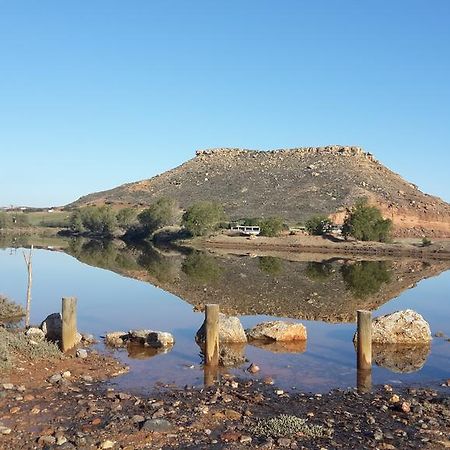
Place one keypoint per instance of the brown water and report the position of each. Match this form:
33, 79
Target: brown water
122, 288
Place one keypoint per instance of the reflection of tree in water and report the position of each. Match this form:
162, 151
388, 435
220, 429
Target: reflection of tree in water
270, 264
201, 267
163, 268
101, 253
318, 271
365, 278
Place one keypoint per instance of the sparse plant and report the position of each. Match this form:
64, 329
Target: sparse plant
271, 265
426, 242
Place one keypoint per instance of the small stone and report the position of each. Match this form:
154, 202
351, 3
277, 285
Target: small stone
234, 384
8, 386
284, 442
394, 399
245, 439
66, 374
253, 368
5, 430
21, 388
158, 425
378, 435
107, 444
87, 378
47, 440
138, 419
55, 378
406, 407
14, 410
279, 392
268, 380
82, 353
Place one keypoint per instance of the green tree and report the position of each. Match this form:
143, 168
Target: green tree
365, 223
318, 225
125, 217
99, 220
203, 217
271, 226
160, 214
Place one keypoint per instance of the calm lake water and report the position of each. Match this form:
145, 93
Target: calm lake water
161, 290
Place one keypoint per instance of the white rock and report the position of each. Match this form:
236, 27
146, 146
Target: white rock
278, 331
231, 331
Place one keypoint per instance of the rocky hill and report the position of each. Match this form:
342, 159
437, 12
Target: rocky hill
294, 184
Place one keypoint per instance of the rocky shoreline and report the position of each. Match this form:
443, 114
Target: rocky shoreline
77, 412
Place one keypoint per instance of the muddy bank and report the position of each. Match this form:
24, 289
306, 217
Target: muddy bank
78, 413
336, 247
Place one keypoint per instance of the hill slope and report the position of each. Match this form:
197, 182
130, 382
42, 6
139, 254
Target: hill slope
294, 184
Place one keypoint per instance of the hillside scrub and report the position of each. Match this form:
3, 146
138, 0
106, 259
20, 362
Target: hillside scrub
318, 225
202, 218
365, 223
100, 220
12, 220
160, 214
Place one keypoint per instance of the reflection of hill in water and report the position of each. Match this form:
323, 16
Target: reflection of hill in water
328, 291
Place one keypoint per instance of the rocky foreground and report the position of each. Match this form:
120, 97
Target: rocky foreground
65, 407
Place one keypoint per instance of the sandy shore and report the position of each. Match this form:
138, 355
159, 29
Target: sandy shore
331, 247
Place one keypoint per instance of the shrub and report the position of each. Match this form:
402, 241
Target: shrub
318, 225
202, 218
125, 217
426, 242
365, 223
270, 264
271, 226
96, 219
160, 214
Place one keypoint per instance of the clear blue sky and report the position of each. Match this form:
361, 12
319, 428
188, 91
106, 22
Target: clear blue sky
97, 93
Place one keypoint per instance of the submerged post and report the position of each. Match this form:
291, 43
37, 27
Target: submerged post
69, 323
28, 262
212, 334
364, 345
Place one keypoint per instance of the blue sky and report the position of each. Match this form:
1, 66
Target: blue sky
97, 93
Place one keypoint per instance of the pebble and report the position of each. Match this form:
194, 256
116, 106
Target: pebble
279, 392
82, 353
394, 399
245, 439
5, 430
253, 368
8, 386
159, 425
55, 378
107, 444
66, 374
138, 419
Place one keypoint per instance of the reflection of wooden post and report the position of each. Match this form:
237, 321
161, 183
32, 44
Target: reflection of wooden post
364, 380
29, 264
211, 374
69, 323
212, 335
364, 347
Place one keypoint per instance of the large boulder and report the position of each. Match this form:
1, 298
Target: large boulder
150, 338
231, 331
52, 328
278, 331
401, 327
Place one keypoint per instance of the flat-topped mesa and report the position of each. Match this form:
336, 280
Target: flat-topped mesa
338, 150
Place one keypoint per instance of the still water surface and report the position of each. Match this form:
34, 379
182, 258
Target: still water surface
110, 301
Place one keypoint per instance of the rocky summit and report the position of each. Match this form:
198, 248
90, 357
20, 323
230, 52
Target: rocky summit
292, 183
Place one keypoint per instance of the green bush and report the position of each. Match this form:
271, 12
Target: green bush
318, 225
202, 218
160, 214
365, 223
125, 217
271, 226
271, 265
426, 242
95, 219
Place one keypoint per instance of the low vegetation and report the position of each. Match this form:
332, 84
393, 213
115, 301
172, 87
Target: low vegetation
318, 225
365, 223
271, 227
203, 218
162, 213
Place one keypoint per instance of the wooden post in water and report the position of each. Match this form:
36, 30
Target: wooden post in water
364, 346
212, 335
69, 323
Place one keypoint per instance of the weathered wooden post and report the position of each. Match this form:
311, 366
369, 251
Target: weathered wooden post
212, 335
364, 380
364, 345
69, 323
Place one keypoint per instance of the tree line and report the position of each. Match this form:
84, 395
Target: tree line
363, 222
